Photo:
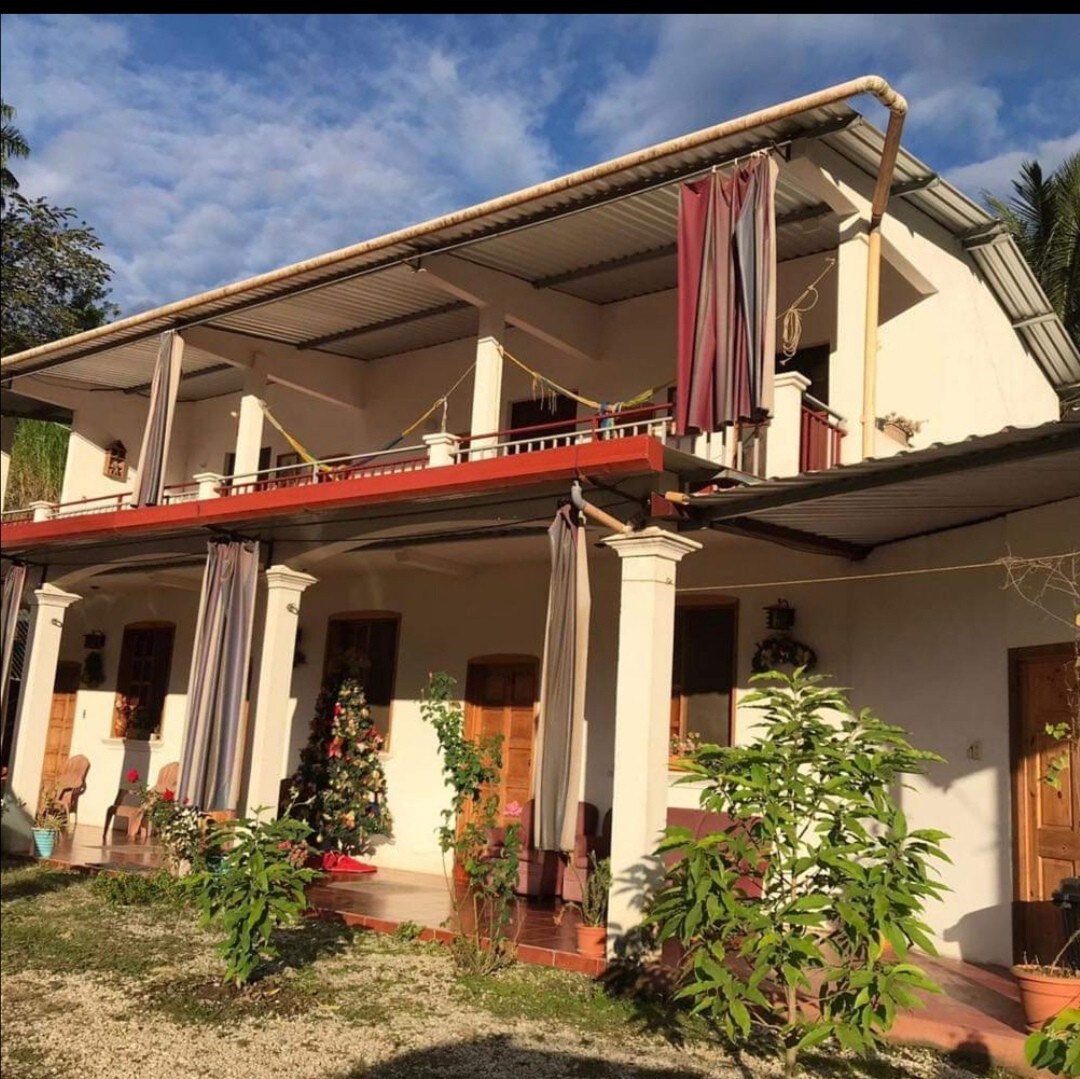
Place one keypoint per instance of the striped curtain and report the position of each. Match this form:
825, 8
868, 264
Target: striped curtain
727, 297
155, 447
557, 772
213, 735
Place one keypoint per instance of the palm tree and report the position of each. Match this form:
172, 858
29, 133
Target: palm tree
1043, 214
12, 145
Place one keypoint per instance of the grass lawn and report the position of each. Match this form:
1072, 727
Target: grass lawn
91, 989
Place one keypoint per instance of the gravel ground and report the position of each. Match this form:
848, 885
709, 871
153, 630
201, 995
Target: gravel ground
366, 1008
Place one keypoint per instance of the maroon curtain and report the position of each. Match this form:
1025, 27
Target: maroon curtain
727, 297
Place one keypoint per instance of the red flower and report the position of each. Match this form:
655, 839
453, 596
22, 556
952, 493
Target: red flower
168, 795
132, 775
186, 801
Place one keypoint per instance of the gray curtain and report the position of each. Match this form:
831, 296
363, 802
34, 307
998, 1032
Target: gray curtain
163, 390
213, 735
557, 773
14, 581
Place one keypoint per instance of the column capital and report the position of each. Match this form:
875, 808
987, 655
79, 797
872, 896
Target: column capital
652, 542
793, 379
48, 595
284, 579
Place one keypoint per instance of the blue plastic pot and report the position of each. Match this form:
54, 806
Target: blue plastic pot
44, 842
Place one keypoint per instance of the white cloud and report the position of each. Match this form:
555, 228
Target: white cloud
995, 174
194, 177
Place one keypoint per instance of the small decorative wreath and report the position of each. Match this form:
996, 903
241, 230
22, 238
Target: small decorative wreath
775, 652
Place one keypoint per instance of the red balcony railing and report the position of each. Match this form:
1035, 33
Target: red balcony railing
820, 435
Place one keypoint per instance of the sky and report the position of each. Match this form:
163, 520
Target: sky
205, 149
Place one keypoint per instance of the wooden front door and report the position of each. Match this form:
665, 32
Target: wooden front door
1043, 685
501, 699
61, 722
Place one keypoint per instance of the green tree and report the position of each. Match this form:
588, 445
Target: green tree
12, 145
787, 915
53, 283
1043, 214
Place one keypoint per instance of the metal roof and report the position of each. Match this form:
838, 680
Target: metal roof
914, 493
603, 235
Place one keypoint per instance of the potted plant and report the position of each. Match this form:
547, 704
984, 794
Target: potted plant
49, 820
1047, 990
899, 428
592, 932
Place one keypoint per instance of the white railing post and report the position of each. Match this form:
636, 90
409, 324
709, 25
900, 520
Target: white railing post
441, 449
209, 484
785, 430
42, 510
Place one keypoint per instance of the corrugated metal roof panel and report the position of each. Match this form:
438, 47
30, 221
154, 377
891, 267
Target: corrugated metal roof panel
571, 227
919, 491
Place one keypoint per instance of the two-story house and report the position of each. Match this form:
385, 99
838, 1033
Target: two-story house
383, 434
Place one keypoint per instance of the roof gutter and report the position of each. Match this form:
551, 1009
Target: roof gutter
867, 84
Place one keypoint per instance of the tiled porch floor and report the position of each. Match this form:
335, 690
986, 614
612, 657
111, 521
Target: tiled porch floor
977, 1014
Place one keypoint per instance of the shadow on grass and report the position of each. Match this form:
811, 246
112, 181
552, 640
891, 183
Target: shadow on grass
311, 939
497, 1054
24, 879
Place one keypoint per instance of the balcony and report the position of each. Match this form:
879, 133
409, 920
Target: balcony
821, 432
742, 448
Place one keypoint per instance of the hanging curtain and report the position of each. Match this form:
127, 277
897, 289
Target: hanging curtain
14, 581
163, 391
727, 297
557, 774
209, 773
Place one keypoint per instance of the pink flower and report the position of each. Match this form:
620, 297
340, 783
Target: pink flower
132, 775
514, 809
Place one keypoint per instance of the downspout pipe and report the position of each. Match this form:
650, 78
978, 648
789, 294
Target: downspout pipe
878, 206
577, 500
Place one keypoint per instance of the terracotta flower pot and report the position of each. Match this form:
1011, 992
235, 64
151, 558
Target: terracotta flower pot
1042, 996
592, 940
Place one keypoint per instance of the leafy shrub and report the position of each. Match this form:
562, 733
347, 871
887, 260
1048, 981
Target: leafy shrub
139, 889
785, 915
483, 913
1057, 1046
253, 882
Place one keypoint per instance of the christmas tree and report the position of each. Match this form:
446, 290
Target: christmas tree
340, 787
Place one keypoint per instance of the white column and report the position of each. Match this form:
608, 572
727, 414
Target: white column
249, 426
209, 484
42, 510
7, 435
642, 716
487, 380
441, 448
273, 695
48, 606
846, 361
785, 428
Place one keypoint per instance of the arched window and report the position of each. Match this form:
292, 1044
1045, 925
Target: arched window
142, 679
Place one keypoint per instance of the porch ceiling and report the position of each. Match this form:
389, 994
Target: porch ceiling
913, 493
602, 235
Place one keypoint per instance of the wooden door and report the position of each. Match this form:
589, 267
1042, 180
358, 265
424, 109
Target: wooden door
1044, 692
501, 699
61, 722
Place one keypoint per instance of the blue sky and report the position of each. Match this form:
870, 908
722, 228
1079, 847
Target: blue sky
209, 148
